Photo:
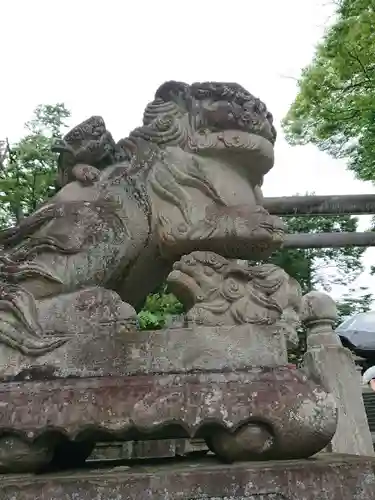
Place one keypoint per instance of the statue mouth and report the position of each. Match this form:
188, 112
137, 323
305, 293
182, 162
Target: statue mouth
244, 147
189, 283
184, 287
231, 139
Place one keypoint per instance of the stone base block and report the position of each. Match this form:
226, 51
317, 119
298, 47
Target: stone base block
173, 350
325, 477
262, 413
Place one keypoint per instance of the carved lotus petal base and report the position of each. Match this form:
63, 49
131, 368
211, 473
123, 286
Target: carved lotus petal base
261, 413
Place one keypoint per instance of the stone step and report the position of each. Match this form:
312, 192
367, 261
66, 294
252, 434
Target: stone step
328, 476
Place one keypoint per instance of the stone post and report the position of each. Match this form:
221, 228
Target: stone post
334, 365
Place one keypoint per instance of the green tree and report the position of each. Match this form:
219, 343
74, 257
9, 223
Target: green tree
335, 105
354, 301
322, 268
28, 167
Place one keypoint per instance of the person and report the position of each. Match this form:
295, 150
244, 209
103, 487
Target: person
369, 377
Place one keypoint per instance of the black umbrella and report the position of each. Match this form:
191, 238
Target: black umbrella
358, 334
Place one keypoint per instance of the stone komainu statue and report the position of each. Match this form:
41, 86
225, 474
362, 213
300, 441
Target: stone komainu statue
179, 198
188, 179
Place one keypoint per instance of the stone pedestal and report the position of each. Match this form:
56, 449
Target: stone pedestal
328, 477
197, 383
130, 352
244, 415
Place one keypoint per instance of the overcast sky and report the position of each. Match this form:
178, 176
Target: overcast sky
109, 57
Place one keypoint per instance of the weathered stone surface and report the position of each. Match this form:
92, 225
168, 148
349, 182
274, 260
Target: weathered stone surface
92, 315
167, 384
239, 316
188, 179
300, 417
217, 291
328, 361
328, 477
178, 350
74, 371
133, 352
93, 311
86, 150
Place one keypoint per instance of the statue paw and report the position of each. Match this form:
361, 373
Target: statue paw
237, 232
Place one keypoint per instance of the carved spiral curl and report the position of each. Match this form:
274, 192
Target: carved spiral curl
157, 108
164, 129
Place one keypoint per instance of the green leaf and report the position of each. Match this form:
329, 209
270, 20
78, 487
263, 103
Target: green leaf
335, 105
29, 169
